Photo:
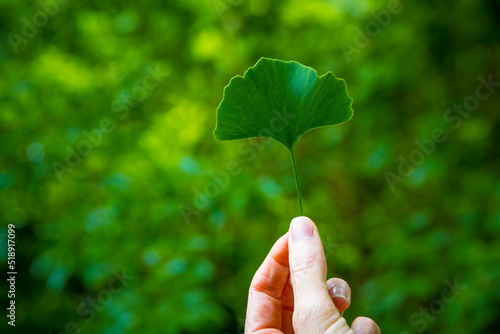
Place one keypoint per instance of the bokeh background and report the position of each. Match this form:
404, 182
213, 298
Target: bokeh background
152, 73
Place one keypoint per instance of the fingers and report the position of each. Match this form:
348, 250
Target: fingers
340, 292
287, 308
264, 298
364, 325
314, 310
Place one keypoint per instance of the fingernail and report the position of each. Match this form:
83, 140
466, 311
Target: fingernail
301, 229
338, 291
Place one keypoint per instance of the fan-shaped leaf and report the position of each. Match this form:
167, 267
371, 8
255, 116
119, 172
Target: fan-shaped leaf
281, 100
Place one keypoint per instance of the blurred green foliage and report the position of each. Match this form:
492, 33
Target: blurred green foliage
102, 65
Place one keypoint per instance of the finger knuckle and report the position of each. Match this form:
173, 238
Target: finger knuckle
302, 263
338, 325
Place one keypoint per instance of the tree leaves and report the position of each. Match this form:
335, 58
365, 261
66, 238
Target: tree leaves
281, 100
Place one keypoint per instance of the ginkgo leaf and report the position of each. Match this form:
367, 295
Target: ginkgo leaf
281, 100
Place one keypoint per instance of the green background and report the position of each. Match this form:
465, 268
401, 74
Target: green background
119, 208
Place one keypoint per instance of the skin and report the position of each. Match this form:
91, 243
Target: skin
289, 292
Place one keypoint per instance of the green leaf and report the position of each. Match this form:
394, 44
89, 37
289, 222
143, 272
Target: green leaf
281, 100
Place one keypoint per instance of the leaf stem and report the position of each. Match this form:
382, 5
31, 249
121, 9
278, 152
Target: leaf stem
297, 184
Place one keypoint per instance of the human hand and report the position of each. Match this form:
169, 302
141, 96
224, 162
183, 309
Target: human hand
288, 293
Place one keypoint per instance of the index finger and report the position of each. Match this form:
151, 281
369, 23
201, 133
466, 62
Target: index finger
264, 298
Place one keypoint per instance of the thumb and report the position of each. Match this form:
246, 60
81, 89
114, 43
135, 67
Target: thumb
314, 311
